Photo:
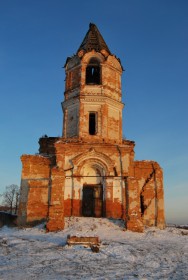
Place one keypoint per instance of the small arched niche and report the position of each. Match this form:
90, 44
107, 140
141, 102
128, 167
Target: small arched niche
93, 72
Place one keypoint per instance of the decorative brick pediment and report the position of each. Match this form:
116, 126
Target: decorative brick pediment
96, 157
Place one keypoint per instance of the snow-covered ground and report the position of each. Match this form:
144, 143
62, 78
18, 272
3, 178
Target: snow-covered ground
33, 254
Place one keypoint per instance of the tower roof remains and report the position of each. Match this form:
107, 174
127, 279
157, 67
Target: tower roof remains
93, 40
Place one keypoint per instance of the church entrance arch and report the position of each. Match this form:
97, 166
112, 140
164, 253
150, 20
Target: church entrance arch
92, 192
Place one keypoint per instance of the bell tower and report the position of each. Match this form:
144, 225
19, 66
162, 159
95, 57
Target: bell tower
92, 106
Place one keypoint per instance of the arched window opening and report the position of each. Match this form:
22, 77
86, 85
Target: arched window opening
93, 72
92, 123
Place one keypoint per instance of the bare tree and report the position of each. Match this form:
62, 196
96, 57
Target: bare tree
10, 198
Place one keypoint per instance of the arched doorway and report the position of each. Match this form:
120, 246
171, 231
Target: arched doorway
93, 184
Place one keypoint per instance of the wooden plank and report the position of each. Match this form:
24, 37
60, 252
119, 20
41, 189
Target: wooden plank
82, 240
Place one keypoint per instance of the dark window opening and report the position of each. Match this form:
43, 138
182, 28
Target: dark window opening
92, 123
142, 206
93, 72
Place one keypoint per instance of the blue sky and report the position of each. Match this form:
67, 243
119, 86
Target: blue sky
151, 39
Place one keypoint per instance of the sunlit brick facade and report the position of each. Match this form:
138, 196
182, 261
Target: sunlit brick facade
90, 171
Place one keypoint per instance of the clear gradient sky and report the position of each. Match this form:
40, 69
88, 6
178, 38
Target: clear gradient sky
151, 39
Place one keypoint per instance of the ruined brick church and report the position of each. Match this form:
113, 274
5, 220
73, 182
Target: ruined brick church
90, 171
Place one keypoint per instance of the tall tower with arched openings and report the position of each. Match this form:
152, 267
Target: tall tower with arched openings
92, 107
90, 171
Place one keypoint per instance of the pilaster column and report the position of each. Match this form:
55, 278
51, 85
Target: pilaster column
134, 220
56, 203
